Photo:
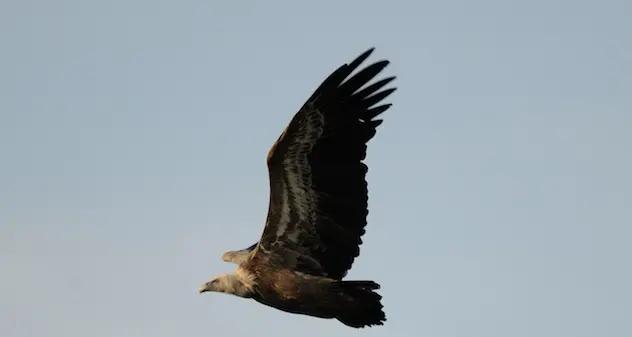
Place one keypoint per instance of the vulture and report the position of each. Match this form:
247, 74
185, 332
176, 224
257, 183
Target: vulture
318, 206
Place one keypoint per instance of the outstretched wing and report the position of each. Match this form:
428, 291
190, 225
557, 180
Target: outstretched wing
318, 192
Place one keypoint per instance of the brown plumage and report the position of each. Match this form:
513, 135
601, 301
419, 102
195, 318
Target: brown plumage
318, 206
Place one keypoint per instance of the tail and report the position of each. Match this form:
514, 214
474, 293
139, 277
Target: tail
363, 307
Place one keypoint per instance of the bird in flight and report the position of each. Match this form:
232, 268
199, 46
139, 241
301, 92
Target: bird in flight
318, 206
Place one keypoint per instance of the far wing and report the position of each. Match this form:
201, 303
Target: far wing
238, 256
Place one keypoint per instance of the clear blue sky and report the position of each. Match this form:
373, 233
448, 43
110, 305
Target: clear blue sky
133, 137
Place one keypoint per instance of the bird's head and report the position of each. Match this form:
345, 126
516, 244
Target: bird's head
227, 283
216, 284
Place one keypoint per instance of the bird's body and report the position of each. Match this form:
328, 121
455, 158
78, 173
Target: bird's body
351, 302
318, 207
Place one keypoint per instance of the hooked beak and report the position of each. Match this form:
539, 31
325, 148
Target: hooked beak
204, 288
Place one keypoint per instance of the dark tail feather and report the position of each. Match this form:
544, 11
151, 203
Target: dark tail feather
365, 308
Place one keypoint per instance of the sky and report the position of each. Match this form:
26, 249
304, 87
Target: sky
133, 137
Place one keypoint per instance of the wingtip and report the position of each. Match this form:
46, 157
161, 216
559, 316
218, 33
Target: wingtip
358, 60
381, 64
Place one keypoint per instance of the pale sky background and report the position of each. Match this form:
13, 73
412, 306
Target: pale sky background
133, 137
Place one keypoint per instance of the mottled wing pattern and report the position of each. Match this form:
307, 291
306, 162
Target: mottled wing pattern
318, 192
